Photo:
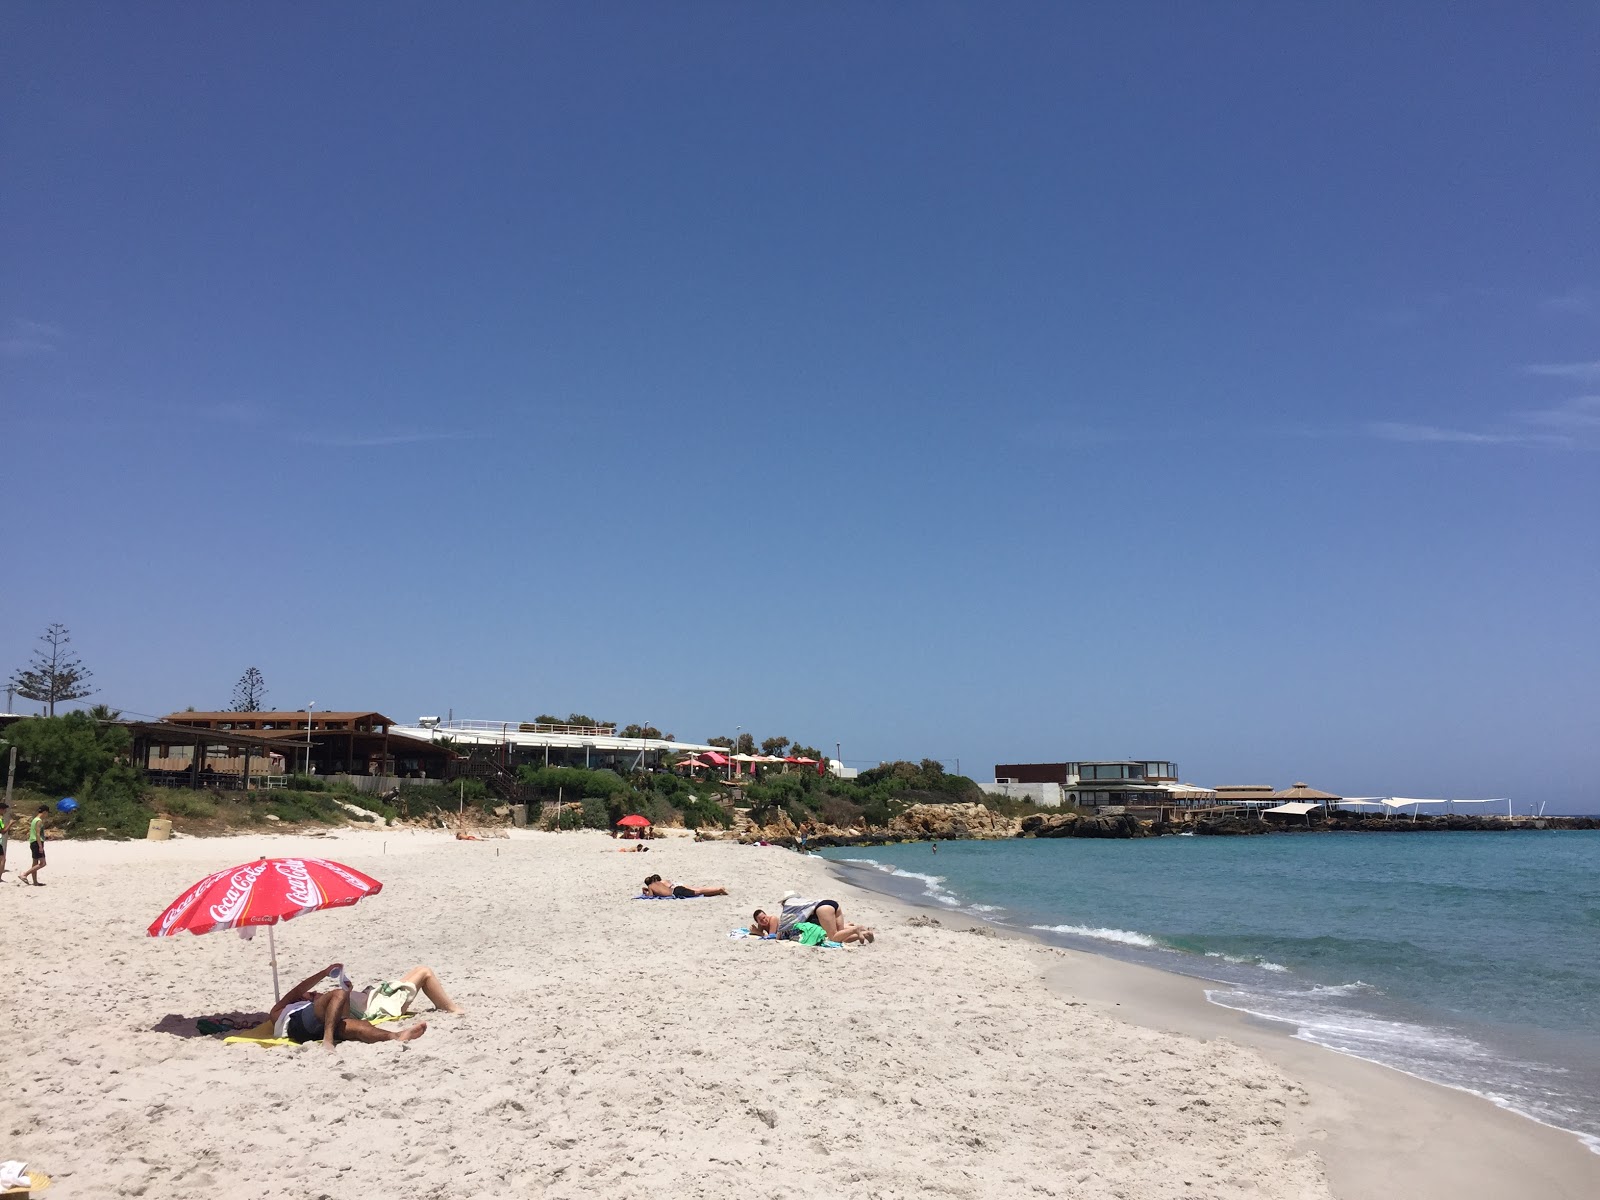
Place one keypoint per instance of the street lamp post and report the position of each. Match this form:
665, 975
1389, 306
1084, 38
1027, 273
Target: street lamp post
737, 730
310, 710
838, 757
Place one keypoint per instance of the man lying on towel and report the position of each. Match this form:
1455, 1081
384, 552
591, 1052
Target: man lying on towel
657, 886
304, 1016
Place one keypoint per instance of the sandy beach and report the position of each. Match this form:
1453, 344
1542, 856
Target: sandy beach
620, 1048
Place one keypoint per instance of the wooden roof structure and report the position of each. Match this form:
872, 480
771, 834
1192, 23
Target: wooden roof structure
1302, 791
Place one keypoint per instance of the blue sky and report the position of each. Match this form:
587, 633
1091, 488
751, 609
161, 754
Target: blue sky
1213, 382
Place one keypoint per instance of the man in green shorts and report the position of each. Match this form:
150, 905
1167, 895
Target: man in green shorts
35, 846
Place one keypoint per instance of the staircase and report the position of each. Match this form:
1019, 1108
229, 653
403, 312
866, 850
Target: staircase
743, 826
502, 783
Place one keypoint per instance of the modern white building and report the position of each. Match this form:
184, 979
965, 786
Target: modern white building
518, 743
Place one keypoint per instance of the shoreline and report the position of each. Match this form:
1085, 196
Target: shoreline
1379, 1130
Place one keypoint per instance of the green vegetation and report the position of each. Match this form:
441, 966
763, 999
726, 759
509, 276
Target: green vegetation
598, 799
873, 798
61, 754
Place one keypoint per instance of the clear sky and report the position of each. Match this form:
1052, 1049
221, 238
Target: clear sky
1211, 382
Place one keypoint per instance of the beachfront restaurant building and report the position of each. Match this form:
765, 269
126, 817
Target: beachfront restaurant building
512, 744
326, 743
1114, 784
1135, 784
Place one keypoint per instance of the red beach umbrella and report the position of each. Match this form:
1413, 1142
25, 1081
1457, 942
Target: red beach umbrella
634, 821
263, 892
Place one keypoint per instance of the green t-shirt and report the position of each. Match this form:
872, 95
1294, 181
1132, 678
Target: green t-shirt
35, 833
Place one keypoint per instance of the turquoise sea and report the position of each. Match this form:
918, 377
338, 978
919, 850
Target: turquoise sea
1471, 959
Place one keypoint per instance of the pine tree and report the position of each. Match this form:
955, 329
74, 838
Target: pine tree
56, 676
250, 691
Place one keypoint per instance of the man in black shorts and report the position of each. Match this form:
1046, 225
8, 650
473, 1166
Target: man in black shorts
306, 1016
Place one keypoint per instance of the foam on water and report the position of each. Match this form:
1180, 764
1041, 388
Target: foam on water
1127, 937
933, 885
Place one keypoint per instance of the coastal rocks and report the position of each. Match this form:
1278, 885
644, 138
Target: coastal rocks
949, 821
1230, 827
1048, 825
357, 813
1123, 825
1071, 824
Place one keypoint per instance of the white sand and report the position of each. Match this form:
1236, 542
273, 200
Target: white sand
612, 1047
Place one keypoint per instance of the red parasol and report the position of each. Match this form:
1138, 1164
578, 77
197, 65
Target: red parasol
634, 821
263, 892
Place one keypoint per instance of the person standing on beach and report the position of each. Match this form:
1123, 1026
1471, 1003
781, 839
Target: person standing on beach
35, 847
5, 829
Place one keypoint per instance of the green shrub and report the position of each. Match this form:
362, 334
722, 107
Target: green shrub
113, 802
179, 802
61, 754
304, 806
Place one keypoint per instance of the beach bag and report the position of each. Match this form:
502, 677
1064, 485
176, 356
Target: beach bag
388, 1000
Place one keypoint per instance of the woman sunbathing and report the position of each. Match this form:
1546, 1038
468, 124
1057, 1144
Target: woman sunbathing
796, 911
657, 886
395, 997
304, 1016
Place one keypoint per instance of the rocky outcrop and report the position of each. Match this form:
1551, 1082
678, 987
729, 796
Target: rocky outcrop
1071, 824
1048, 825
933, 822
1230, 827
1124, 825
953, 822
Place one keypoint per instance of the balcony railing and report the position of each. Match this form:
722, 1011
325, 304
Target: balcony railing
508, 727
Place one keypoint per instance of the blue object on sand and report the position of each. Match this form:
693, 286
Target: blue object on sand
67, 805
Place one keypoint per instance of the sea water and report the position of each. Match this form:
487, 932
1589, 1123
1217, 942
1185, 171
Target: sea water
1470, 959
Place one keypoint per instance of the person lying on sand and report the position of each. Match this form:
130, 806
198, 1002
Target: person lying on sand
657, 886
304, 1016
797, 911
396, 997
633, 849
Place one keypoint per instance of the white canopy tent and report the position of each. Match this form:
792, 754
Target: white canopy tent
1294, 808
1414, 804
1387, 805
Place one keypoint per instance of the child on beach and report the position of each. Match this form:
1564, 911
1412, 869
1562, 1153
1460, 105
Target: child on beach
35, 847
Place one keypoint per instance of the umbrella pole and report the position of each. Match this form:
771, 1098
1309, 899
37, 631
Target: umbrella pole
272, 948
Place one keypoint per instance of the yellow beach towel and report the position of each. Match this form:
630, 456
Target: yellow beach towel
261, 1035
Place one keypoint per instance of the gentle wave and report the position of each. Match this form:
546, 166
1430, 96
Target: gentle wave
1342, 989
1126, 936
933, 885
1249, 961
